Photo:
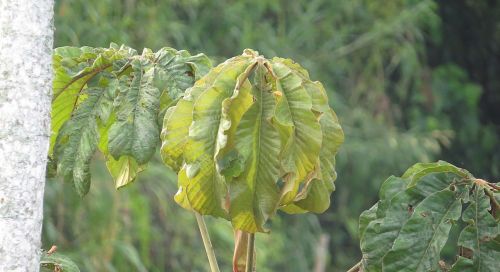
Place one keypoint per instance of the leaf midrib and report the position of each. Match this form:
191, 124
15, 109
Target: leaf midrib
134, 111
88, 119
434, 233
477, 228
257, 152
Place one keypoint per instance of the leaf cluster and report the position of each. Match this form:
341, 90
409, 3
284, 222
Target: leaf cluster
112, 100
251, 137
408, 227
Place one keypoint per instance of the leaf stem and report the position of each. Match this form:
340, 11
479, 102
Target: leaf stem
485, 184
355, 268
212, 260
79, 76
250, 251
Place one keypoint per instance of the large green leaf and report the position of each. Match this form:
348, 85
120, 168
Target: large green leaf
78, 140
112, 99
388, 190
392, 213
73, 70
315, 196
207, 191
135, 132
179, 117
254, 194
174, 72
318, 182
300, 129
481, 235
419, 170
191, 138
419, 243
407, 229
253, 133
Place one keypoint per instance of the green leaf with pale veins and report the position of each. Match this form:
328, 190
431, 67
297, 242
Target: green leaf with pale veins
300, 129
174, 72
481, 235
73, 69
409, 226
134, 91
229, 162
390, 187
366, 217
419, 243
254, 195
135, 132
419, 170
78, 140
319, 182
392, 213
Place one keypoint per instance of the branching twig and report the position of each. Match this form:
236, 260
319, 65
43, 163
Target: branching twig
80, 76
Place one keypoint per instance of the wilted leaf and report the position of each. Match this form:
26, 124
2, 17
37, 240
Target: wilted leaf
205, 188
392, 214
419, 243
251, 136
254, 195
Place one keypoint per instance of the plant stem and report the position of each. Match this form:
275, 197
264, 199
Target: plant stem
495, 207
355, 268
250, 251
212, 260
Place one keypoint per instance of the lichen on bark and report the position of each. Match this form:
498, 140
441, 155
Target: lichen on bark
26, 31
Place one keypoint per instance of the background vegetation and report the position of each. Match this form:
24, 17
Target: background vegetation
410, 81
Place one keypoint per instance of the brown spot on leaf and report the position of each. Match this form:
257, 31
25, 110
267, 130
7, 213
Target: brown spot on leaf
466, 252
410, 209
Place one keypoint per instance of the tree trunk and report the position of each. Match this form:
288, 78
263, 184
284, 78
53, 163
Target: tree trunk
26, 38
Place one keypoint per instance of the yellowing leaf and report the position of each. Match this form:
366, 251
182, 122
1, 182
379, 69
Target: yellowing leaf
300, 129
247, 136
254, 193
123, 170
206, 190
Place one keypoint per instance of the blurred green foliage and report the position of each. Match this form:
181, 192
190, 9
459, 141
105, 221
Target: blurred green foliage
401, 90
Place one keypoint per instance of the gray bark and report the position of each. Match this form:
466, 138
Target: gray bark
26, 40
